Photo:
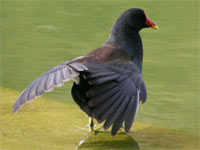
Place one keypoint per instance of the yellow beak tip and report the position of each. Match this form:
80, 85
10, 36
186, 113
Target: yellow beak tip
155, 27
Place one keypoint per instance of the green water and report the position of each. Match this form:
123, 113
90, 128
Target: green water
37, 35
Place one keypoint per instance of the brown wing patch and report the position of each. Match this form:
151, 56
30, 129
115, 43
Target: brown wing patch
105, 53
110, 52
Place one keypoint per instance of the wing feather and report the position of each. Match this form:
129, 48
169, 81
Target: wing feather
31, 93
100, 74
114, 93
96, 90
99, 109
118, 123
105, 114
116, 113
131, 116
100, 98
49, 83
55, 77
97, 81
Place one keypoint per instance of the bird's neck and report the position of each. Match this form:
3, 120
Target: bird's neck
130, 41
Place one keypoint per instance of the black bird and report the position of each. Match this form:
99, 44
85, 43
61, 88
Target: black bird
108, 83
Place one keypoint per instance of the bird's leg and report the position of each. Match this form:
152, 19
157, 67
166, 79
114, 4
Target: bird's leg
91, 125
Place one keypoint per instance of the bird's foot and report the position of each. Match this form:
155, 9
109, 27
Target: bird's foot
97, 130
92, 125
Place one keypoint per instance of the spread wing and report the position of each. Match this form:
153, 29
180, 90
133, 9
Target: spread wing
55, 77
114, 93
116, 89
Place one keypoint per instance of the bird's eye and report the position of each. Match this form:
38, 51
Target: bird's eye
140, 17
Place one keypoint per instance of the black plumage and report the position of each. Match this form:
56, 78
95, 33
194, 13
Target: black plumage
108, 81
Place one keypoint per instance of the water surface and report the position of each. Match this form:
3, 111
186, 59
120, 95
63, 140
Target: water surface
37, 35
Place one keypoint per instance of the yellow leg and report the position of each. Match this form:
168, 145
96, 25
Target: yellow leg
91, 125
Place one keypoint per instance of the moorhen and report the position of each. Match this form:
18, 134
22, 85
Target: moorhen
108, 83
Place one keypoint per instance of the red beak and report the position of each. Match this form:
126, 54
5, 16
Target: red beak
150, 23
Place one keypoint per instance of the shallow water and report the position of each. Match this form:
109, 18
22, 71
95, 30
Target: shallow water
37, 35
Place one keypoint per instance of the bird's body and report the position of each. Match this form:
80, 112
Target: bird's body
108, 81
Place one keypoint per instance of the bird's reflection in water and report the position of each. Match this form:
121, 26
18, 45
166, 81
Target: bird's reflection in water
104, 141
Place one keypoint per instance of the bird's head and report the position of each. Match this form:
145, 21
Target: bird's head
125, 33
137, 19
134, 19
